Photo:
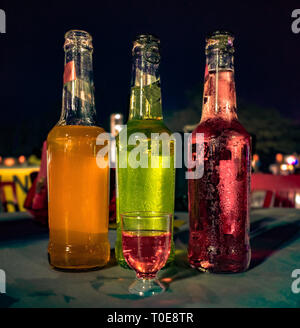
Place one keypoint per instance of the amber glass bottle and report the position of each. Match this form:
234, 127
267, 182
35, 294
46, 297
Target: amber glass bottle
78, 188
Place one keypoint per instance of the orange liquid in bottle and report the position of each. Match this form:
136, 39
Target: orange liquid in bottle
78, 199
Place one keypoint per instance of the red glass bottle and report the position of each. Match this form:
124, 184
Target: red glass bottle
219, 200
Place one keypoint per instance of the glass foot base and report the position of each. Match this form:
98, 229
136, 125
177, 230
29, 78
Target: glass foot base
146, 287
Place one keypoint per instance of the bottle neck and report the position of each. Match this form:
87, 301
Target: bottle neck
78, 107
219, 97
145, 100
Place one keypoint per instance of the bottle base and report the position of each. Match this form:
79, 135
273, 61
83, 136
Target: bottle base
76, 269
221, 267
79, 257
62, 265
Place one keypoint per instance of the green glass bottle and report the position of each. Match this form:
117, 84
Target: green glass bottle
141, 188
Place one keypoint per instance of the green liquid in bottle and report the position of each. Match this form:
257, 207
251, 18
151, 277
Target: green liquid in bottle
145, 189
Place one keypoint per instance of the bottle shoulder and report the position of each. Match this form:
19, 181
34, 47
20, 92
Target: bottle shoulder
76, 131
213, 128
147, 126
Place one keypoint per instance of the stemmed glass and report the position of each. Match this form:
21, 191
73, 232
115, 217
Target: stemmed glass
146, 241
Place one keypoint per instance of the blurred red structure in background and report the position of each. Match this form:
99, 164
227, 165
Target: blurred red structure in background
36, 201
280, 191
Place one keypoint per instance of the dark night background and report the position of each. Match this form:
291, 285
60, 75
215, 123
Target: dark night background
266, 63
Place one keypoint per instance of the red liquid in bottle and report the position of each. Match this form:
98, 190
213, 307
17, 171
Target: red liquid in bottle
146, 252
219, 200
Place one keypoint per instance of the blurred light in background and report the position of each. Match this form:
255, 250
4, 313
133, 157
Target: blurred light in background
291, 160
9, 161
22, 159
255, 162
286, 169
297, 200
279, 158
116, 121
283, 167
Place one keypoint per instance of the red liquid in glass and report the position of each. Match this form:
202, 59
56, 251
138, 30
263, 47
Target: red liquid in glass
146, 252
218, 202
